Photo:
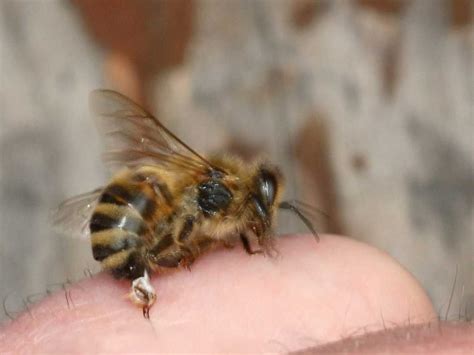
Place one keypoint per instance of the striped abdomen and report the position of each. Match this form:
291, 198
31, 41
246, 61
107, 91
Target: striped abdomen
122, 225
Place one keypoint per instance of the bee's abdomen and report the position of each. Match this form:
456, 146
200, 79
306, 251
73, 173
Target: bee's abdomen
117, 236
122, 224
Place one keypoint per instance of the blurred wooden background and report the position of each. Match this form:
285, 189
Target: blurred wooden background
366, 104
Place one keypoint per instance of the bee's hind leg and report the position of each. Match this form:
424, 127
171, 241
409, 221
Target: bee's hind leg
143, 293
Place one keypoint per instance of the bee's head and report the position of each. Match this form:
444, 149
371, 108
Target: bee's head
266, 194
266, 198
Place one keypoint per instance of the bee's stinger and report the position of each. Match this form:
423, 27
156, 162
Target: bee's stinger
143, 294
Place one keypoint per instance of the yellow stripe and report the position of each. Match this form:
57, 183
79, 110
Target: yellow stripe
109, 236
117, 211
116, 260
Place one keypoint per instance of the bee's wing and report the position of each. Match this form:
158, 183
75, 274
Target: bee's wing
72, 217
135, 137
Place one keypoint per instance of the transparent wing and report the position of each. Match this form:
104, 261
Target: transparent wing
72, 217
135, 137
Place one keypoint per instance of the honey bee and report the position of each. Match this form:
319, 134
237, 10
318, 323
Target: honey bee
167, 204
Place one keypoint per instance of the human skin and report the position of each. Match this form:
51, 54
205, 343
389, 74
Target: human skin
309, 295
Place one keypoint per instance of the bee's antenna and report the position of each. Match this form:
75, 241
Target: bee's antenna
306, 207
285, 205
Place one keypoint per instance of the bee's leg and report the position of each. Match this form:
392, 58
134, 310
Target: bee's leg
143, 293
187, 228
187, 252
167, 260
246, 245
188, 258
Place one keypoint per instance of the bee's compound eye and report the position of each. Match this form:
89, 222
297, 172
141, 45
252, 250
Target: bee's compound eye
268, 187
261, 208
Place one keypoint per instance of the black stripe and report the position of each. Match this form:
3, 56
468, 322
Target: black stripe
100, 252
118, 193
109, 198
101, 221
132, 268
121, 195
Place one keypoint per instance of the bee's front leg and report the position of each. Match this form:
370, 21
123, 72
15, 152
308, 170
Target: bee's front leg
246, 244
143, 294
